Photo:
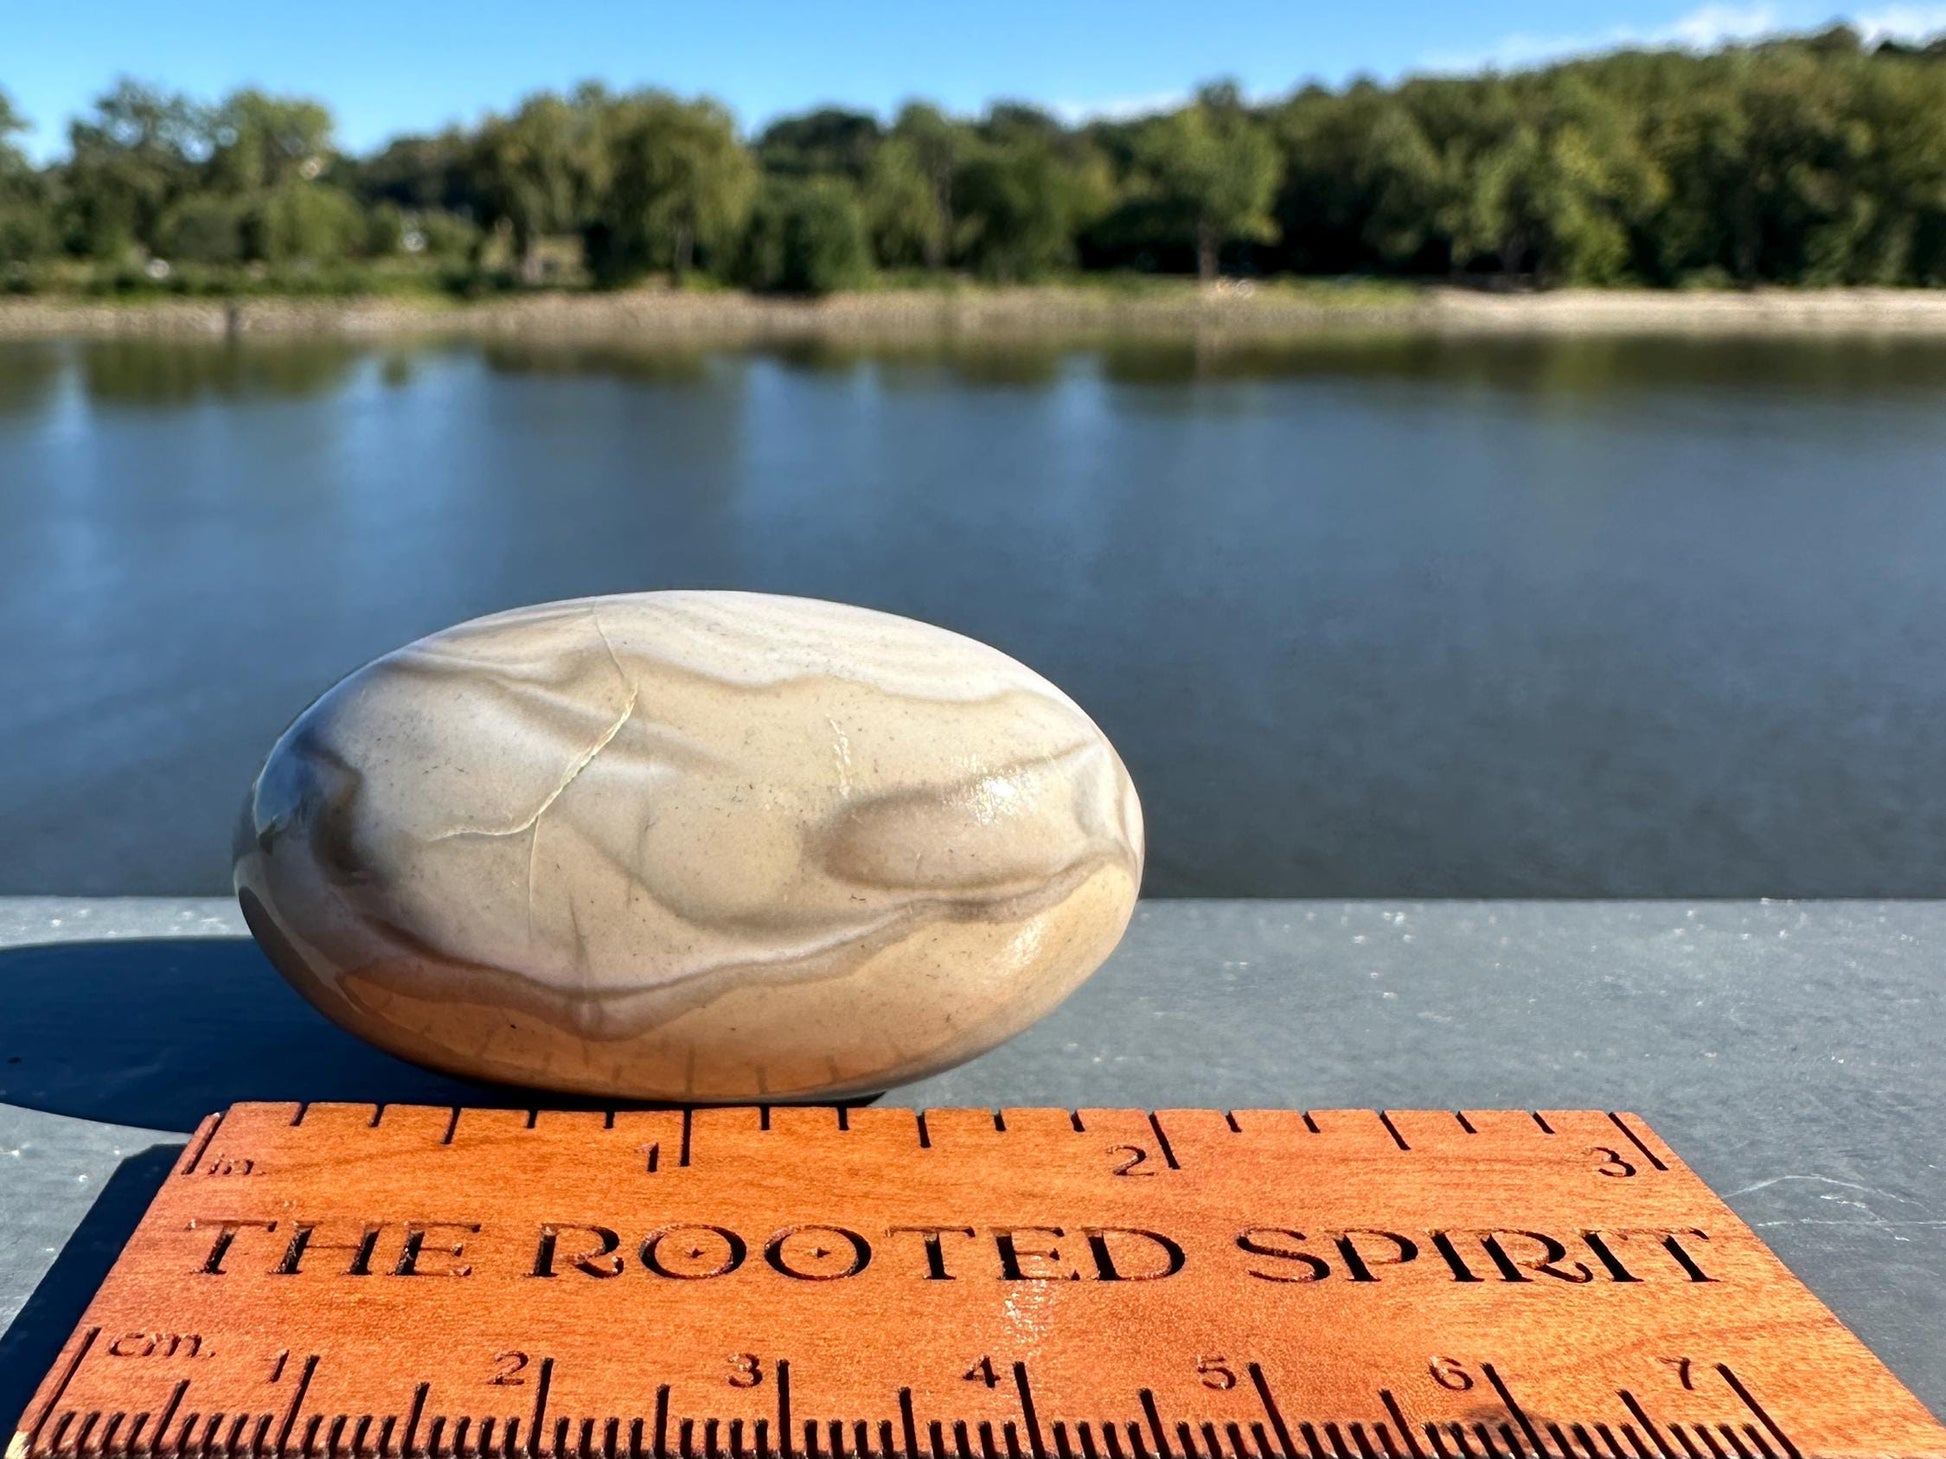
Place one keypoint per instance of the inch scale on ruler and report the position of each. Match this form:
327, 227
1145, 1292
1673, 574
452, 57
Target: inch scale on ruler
404, 1282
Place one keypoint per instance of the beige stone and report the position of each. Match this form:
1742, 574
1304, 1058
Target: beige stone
691, 845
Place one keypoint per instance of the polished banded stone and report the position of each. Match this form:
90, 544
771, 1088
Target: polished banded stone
690, 845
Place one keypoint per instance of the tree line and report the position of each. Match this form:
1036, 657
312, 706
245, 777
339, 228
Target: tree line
1804, 160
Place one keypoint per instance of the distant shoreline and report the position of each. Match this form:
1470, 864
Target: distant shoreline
1051, 312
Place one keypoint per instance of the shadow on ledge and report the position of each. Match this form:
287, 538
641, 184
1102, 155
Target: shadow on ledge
32, 1343
159, 1032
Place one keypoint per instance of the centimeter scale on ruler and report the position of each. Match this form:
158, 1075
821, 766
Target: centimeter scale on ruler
404, 1282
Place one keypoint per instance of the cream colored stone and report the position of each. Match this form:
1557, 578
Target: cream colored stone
691, 845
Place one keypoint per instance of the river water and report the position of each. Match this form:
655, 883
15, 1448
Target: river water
1368, 616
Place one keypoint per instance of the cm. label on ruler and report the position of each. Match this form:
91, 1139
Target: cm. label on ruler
808, 1283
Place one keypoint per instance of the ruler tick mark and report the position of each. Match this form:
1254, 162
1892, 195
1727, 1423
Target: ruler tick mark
1514, 1408
417, 1411
1027, 1411
1264, 1396
925, 1136
1756, 1408
540, 1407
784, 1405
1310, 1124
1391, 1403
1168, 1157
1464, 1123
688, 1121
61, 1386
1636, 1140
1655, 1436
201, 1143
1541, 1120
1385, 1119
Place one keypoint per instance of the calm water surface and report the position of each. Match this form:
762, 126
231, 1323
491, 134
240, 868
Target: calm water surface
1412, 618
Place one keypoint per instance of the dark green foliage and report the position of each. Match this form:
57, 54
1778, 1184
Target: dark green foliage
805, 236
1815, 160
129, 161
26, 212
205, 228
830, 141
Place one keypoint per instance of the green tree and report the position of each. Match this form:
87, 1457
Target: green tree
131, 158
418, 174
681, 186
305, 223
909, 187
260, 142
1215, 166
26, 221
205, 228
805, 236
1816, 159
1022, 191
538, 171
829, 142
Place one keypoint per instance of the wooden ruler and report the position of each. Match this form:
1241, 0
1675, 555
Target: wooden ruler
815, 1283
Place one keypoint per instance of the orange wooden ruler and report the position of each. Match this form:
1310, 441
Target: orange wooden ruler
813, 1283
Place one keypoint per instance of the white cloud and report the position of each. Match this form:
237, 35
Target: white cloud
1715, 25
1702, 29
1902, 22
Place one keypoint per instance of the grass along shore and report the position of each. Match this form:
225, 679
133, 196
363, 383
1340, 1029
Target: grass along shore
1265, 311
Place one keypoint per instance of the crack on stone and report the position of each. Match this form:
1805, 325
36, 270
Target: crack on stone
581, 763
530, 826
588, 758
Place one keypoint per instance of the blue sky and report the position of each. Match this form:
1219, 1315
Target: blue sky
397, 65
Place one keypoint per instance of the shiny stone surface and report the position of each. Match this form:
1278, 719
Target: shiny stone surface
690, 846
